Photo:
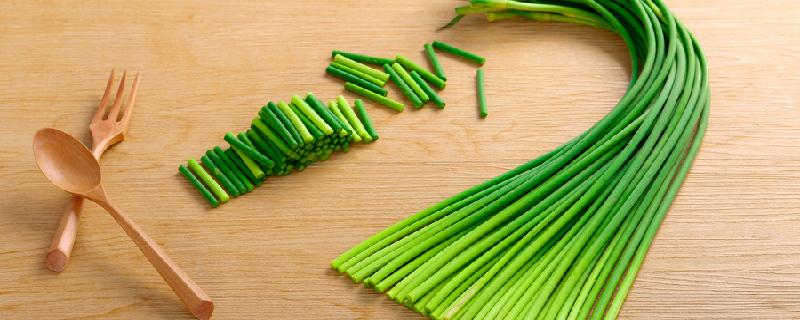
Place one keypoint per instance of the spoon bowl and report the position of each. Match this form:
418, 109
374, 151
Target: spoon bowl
66, 161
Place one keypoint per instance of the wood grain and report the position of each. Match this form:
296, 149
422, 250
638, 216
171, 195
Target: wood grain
729, 248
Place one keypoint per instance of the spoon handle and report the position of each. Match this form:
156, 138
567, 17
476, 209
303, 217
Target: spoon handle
198, 303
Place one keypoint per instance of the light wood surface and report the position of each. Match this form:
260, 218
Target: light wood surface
728, 248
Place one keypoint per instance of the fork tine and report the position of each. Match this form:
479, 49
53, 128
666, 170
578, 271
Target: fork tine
114, 112
101, 110
126, 117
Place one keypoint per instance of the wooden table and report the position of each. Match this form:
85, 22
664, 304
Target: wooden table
729, 248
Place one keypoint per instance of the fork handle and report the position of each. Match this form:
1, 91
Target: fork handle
192, 296
64, 238
67, 231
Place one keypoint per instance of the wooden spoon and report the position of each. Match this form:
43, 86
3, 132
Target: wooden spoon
72, 167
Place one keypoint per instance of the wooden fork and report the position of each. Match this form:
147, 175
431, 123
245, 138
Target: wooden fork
108, 127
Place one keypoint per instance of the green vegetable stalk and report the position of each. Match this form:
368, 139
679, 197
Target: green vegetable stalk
298, 125
360, 67
415, 88
334, 107
362, 58
460, 52
201, 173
312, 115
246, 149
424, 73
358, 73
273, 121
348, 112
404, 87
199, 186
251, 164
229, 174
242, 176
434, 61
379, 99
437, 100
217, 173
482, 108
365, 119
352, 78
564, 235
287, 124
